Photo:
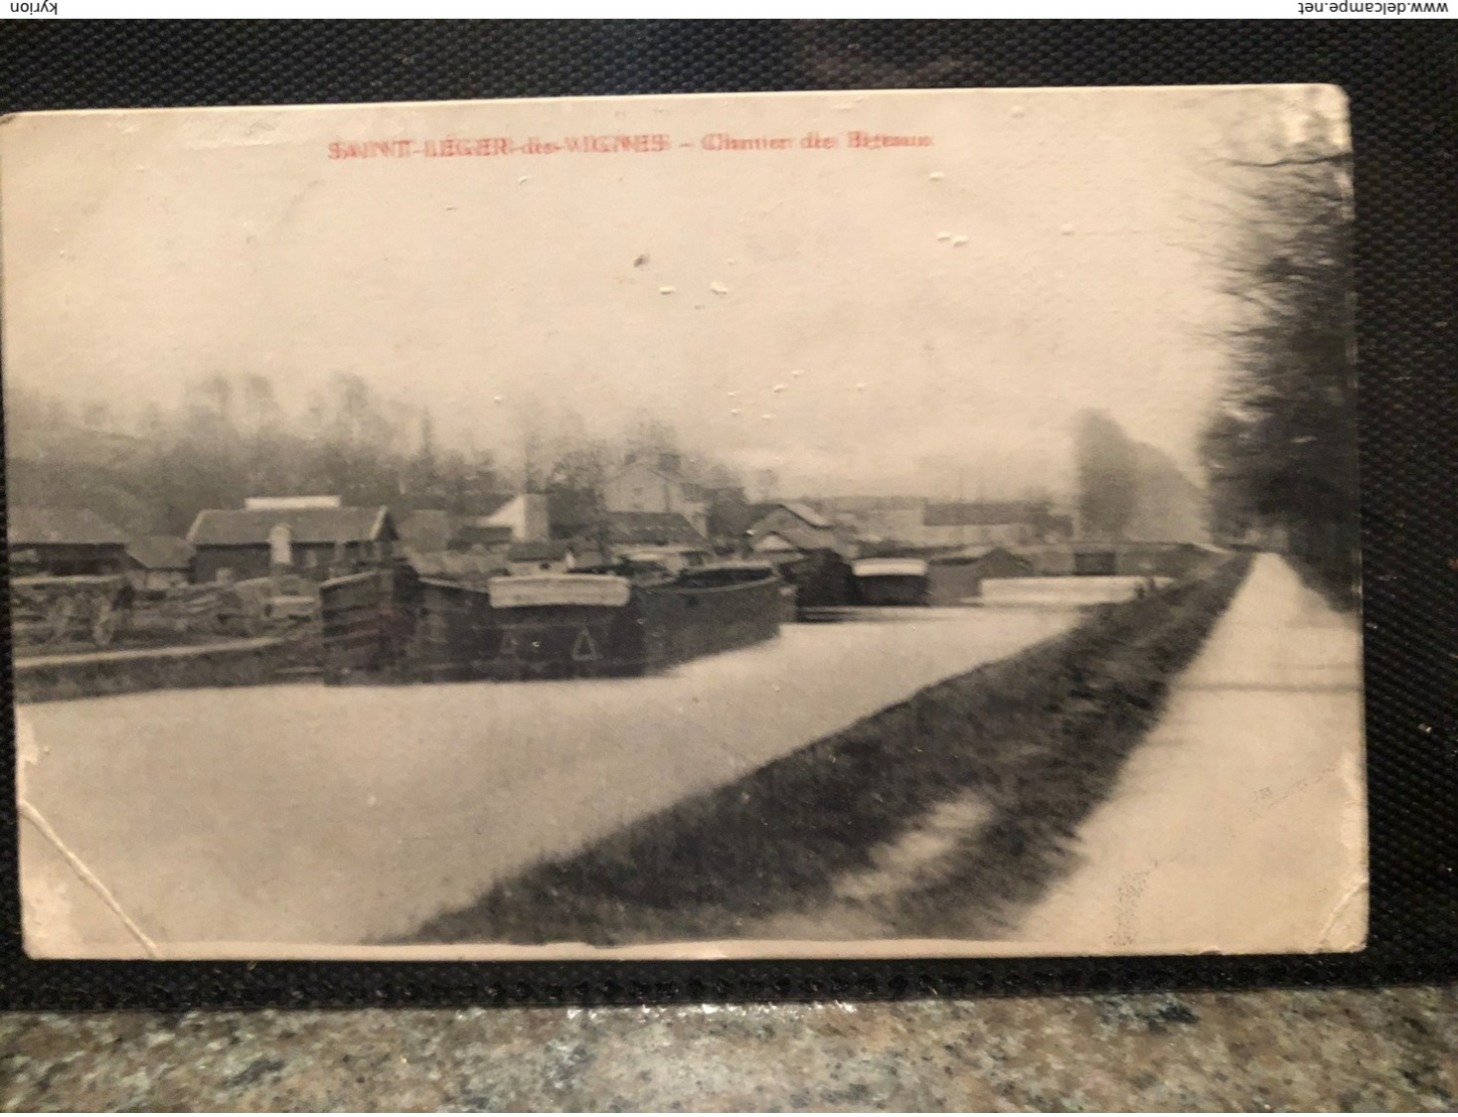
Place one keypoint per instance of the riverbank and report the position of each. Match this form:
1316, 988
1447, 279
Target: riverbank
229, 663
973, 786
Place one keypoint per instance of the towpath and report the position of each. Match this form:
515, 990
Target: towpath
1240, 821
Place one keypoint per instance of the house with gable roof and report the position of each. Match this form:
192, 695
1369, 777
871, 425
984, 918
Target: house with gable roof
657, 485
314, 536
63, 541
792, 526
159, 562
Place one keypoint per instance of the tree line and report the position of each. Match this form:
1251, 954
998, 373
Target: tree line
1280, 449
229, 437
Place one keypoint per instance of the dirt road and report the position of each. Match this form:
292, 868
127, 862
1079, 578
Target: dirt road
305, 814
1240, 821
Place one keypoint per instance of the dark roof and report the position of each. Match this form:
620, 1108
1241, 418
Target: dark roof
229, 527
550, 551
964, 513
806, 519
806, 513
60, 527
801, 538
659, 528
161, 552
481, 535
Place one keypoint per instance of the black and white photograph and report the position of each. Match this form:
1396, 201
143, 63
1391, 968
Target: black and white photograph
835, 524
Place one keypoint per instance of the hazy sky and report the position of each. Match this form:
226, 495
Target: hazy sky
949, 308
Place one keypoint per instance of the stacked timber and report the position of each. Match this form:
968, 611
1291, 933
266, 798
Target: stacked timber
47, 610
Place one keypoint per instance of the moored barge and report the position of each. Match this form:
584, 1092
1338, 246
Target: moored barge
891, 581
394, 625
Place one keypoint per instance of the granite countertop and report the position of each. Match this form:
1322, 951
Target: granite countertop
1389, 1049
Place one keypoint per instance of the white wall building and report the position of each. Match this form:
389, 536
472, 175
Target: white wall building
658, 486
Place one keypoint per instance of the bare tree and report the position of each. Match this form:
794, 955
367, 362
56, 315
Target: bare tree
1280, 451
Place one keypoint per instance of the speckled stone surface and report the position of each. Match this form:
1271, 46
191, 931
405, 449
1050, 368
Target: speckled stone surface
1368, 1050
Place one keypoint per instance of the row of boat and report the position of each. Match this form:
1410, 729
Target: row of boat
395, 625
627, 619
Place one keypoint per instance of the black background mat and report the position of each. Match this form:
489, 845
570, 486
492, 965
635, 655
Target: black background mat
1401, 75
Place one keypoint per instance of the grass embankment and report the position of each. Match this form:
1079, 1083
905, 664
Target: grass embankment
1034, 742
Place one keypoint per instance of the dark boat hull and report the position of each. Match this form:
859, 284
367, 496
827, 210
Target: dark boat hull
906, 590
460, 636
695, 616
422, 630
822, 580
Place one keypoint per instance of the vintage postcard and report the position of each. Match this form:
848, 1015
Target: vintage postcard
819, 524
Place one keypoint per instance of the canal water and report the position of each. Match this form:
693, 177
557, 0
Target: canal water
304, 814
